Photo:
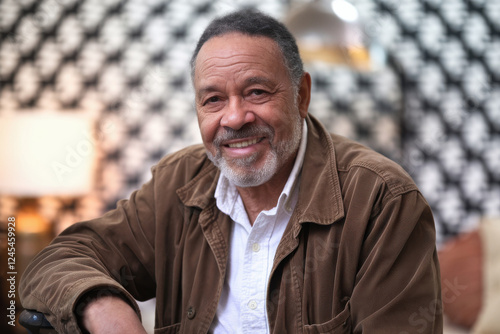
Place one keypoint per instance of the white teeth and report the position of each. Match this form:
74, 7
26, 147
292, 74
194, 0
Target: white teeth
243, 143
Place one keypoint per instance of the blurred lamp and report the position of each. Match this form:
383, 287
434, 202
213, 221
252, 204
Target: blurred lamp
331, 31
42, 154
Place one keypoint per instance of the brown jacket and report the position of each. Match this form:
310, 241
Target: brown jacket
357, 256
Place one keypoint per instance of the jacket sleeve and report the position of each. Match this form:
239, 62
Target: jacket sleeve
112, 254
397, 288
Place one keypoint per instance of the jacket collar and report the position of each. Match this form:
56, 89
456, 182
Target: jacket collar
200, 190
320, 198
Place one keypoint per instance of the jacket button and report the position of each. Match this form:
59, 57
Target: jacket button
191, 312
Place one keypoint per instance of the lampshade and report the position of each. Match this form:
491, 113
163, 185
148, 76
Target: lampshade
46, 153
331, 31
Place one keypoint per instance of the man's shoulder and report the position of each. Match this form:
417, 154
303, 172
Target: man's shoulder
354, 158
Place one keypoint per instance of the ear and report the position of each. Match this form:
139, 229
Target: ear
304, 96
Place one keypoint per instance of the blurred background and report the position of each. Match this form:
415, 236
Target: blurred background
417, 80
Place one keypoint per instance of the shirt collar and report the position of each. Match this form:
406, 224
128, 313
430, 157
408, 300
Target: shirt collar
227, 195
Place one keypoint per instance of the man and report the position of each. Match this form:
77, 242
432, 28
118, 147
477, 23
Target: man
272, 226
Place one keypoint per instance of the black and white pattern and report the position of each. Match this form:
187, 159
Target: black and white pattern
435, 107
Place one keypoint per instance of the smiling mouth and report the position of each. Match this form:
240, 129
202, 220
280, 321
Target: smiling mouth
245, 143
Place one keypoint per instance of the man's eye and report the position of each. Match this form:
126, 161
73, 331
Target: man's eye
212, 99
258, 92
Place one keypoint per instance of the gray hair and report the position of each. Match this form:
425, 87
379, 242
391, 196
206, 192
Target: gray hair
251, 22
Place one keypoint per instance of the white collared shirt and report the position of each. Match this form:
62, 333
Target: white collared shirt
242, 306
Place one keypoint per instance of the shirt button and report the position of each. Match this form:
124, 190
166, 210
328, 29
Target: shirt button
252, 304
256, 247
191, 312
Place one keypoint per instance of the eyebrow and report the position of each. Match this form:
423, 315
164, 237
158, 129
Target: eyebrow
257, 80
205, 90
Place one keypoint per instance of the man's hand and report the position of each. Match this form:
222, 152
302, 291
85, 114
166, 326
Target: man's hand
109, 315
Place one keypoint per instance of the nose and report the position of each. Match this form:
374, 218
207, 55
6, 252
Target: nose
237, 114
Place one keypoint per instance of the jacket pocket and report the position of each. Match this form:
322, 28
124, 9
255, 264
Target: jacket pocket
172, 329
339, 325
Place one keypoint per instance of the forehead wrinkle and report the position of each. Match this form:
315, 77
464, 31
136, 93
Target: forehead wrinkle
235, 57
212, 70
227, 62
211, 83
273, 49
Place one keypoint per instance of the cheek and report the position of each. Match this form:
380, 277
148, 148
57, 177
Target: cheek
209, 125
283, 121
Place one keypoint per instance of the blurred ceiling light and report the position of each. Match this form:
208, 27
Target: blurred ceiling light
331, 31
345, 10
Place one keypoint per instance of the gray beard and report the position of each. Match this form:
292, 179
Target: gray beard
244, 174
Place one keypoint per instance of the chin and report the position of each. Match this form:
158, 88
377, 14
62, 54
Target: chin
244, 174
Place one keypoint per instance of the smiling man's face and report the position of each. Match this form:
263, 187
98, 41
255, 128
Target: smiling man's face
248, 114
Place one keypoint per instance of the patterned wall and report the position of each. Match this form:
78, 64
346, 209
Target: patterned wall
435, 107
449, 53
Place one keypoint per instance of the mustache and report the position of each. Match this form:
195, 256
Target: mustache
249, 130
